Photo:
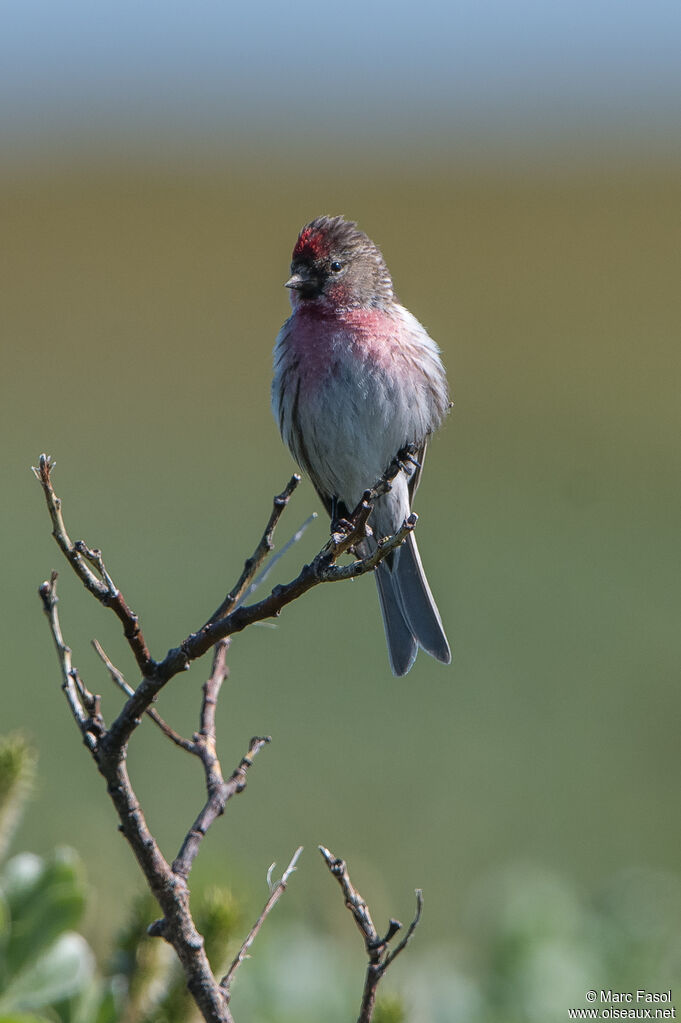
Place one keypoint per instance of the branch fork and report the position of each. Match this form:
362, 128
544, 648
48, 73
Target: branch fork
379, 954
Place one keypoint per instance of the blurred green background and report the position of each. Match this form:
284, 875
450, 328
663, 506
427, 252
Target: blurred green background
142, 292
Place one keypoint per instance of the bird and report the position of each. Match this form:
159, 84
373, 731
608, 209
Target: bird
358, 380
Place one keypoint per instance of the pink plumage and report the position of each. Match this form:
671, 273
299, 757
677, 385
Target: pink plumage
356, 380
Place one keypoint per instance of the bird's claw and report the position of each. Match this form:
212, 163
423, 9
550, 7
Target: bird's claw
406, 457
342, 525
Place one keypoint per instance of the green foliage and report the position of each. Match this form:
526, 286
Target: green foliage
218, 917
542, 944
42, 961
22, 1018
17, 770
139, 963
389, 1009
45, 898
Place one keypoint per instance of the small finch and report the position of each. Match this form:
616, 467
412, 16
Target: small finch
356, 380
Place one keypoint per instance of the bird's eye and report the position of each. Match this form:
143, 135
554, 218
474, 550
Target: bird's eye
336, 266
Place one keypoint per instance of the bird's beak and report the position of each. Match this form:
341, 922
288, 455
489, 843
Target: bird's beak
297, 282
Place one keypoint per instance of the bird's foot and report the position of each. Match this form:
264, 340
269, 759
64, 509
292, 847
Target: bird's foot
341, 525
406, 458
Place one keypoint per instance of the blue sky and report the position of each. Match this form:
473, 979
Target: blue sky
379, 67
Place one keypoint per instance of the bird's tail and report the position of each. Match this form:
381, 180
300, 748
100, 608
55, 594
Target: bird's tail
410, 615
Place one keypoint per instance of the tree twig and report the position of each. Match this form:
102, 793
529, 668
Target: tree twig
219, 793
322, 569
266, 571
276, 891
84, 707
80, 557
259, 555
379, 955
119, 679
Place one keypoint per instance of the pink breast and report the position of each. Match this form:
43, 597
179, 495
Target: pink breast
322, 342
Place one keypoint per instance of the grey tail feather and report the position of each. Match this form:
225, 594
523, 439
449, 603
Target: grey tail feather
402, 646
410, 615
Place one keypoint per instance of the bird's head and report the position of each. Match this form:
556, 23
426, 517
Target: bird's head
334, 264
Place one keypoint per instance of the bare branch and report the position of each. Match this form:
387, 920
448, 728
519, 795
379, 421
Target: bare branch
276, 891
119, 679
71, 685
323, 569
211, 691
80, 557
219, 793
259, 555
262, 576
376, 946
353, 900
410, 930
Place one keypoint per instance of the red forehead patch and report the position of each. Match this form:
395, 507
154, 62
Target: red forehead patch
311, 243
